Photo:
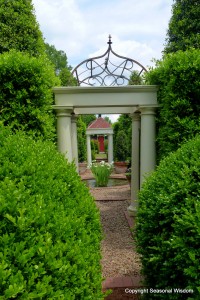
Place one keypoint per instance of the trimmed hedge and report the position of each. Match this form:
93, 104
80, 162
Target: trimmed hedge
26, 93
178, 118
168, 224
49, 225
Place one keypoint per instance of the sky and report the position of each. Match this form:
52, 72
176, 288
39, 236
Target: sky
81, 27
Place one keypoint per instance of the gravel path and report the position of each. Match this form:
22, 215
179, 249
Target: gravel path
119, 256
117, 193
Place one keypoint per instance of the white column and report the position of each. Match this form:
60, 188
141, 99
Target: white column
64, 132
148, 138
110, 148
74, 140
135, 167
89, 152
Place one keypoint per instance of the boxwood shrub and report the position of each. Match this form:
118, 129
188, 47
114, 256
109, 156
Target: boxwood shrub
178, 118
49, 225
26, 93
168, 224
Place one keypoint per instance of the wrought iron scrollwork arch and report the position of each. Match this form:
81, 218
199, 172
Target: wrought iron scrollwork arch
109, 69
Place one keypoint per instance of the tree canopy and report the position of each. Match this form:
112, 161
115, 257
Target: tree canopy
135, 78
184, 26
57, 57
19, 28
62, 69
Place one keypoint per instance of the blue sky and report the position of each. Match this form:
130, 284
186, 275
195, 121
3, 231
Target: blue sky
81, 27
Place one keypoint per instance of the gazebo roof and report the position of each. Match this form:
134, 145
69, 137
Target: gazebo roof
99, 123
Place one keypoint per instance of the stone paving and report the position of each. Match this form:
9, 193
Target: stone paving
115, 193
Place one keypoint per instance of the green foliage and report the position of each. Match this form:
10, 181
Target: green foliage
66, 78
184, 26
178, 118
106, 145
135, 78
19, 28
50, 228
168, 224
87, 119
81, 136
121, 146
101, 172
107, 119
25, 93
94, 148
59, 59
124, 123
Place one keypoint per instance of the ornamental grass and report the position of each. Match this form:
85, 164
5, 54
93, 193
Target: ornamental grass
101, 172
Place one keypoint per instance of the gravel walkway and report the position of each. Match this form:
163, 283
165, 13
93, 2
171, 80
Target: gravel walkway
117, 193
119, 257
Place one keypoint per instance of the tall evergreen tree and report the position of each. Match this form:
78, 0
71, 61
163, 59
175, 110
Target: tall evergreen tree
19, 28
184, 26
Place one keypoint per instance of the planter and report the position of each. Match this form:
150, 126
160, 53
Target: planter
120, 167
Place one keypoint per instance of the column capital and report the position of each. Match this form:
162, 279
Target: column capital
63, 111
148, 110
74, 118
136, 116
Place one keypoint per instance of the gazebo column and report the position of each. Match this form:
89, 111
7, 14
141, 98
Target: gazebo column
64, 132
135, 167
89, 152
110, 148
148, 138
74, 140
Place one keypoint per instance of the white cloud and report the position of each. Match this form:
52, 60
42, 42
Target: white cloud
60, 21
81, 27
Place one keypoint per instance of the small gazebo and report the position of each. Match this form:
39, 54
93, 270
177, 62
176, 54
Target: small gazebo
100, 127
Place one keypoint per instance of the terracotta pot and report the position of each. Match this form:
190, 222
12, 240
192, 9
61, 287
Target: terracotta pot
120, 167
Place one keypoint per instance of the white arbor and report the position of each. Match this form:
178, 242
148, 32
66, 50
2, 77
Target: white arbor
100, 127
138, 101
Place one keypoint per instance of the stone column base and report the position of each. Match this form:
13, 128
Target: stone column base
132, 210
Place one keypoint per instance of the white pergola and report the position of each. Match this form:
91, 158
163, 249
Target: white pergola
140, 102
100, 131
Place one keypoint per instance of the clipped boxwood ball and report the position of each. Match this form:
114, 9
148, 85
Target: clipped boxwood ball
49, 225
168, 224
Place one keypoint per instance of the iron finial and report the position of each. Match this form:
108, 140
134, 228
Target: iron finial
109, 41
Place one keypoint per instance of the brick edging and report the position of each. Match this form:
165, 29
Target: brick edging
122, 282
